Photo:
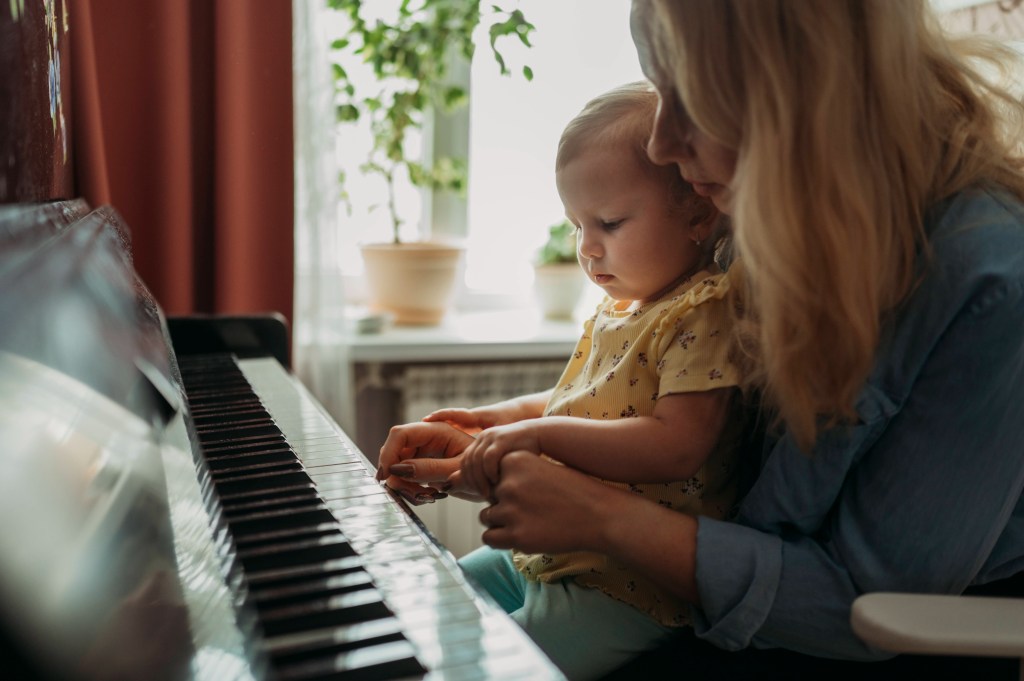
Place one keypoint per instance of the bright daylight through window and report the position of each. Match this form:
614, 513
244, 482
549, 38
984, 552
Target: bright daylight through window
577, 52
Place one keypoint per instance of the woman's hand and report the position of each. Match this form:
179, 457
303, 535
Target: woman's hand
481, 461
420, 461
544, 507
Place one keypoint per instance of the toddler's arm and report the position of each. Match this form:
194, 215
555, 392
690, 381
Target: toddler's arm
474, 420
669, 445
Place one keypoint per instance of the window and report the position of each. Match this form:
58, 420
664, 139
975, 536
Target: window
580, 49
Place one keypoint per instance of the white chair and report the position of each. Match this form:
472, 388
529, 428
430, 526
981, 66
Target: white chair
930, 624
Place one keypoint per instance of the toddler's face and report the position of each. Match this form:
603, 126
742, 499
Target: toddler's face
630, 240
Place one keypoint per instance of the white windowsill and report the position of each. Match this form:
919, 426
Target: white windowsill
470, 336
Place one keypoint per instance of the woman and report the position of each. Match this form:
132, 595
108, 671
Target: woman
876, 200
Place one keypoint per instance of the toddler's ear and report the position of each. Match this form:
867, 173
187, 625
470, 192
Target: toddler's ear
710, 216
705, 222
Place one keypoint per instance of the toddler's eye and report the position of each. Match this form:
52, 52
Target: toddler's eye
610, 225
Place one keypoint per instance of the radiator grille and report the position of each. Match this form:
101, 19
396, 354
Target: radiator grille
434, 386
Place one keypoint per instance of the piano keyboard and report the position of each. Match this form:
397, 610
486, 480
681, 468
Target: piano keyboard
340, 578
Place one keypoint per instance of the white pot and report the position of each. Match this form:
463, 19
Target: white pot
557, 289
414, 282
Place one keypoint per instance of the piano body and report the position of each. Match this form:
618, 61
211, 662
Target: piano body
176, 505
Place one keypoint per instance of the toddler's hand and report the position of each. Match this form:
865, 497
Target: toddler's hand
472, 421
481, 460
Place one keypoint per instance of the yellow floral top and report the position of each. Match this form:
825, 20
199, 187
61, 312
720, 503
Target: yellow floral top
623, 362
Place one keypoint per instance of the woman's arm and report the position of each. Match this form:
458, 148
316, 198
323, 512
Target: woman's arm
930, 500
667, 446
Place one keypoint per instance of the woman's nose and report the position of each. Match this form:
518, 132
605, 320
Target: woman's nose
670, 141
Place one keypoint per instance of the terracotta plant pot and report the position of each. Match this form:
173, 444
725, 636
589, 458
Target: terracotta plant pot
414, 282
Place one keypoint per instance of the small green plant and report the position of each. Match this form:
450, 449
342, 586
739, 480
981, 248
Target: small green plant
560, 246
409, 51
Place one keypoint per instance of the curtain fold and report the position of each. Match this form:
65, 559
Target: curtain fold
184, 125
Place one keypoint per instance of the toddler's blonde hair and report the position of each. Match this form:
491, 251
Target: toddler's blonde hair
623, 117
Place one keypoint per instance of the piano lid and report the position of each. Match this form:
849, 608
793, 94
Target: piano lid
86, 551
90, 565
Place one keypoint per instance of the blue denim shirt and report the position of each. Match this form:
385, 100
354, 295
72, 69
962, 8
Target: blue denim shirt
924, 494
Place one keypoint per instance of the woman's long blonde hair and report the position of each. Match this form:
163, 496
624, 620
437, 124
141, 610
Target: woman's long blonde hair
849, 118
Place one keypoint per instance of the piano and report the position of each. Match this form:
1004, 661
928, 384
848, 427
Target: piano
176, 505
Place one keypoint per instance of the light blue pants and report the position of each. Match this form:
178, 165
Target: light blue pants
585, 632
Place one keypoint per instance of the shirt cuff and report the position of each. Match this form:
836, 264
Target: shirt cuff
738, 572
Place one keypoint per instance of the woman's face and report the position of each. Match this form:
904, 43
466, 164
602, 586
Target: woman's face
703, 162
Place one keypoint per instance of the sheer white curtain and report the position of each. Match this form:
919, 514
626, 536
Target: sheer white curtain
319, 348
1001, 18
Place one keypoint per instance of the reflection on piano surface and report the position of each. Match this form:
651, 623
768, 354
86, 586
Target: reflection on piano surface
187, 510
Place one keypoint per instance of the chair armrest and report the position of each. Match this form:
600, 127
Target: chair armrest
940, 624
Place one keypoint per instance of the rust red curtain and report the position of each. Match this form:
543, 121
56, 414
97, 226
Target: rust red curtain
183, 122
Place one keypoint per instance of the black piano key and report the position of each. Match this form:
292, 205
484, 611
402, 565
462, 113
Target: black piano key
228, 485
247, 468
318, 643
275, 442
295, 553
243, 399
229, 390
261, 578
272, 506
266, 542
255, 466
357, 606
230, 461
392, 660
275, 503
231, 418
279, 520
217, 397
228, 435
253, 413
305, 490
315, 522
277, 596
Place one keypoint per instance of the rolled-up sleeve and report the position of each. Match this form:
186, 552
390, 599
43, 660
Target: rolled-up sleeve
927, 499
738, 570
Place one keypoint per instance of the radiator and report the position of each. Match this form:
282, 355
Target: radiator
425, 388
